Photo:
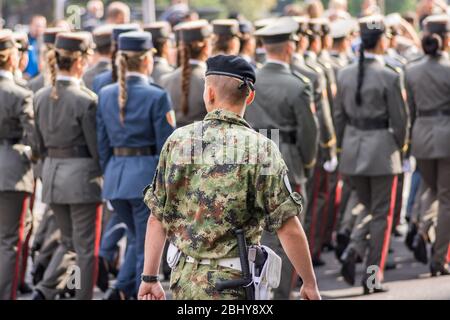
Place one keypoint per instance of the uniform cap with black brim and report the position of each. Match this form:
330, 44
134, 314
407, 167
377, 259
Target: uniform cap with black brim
232, 66
226, 27
50, 34
340, 29
102, 36
372, 26
119, 29
160, 30
7, 40
193, 30
74, 41
137, 41
437, 24
281, 30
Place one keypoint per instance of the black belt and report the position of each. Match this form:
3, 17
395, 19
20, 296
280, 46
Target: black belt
135, 152
369, 124
9, 141
69, 152
433, 113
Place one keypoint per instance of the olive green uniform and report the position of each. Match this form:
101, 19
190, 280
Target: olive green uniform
16, 178
428, 88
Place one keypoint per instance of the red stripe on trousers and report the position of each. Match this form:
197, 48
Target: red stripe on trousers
324, 221
316, 187
98, 231
387, 233
337, 201
19, 247
448, 255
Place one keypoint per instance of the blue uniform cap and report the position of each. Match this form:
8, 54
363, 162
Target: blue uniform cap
135, 41
118, 30
232, 66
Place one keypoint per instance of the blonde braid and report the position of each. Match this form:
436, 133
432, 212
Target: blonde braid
123, 96
52, 69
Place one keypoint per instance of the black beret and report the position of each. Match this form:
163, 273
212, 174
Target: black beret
118, 30
137, 41
231, 66
193, 31
226, 27
74, 41
437, 24
7, 40
50, 35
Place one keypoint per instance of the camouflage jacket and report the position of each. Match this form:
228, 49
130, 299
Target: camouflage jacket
215, 176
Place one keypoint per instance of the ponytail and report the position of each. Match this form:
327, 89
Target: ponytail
361, 72
123, 95
52, 68
432, 44
185, 78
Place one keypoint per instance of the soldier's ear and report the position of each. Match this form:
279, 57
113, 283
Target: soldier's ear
250, 98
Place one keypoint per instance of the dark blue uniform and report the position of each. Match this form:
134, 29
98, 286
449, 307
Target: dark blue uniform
102, 80
146, 125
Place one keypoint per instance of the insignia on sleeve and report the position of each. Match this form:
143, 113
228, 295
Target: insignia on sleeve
170, 117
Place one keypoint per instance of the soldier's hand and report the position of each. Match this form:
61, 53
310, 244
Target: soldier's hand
151, 291
310, 293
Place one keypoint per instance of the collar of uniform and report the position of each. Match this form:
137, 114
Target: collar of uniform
278, 62
6, 74
311, 55
227, 116
298, 58
160, 60
70, 79
375, 57
196, 62
131, 74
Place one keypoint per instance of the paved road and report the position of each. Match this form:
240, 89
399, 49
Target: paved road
410, 281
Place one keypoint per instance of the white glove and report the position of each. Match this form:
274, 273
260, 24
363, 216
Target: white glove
331, 165
406, 166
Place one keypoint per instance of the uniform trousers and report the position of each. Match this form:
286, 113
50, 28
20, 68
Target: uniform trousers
80, 227
135, 214
14, 209
374, 224
436, 174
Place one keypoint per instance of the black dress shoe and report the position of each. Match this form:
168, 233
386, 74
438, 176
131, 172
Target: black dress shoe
37, 273
412, 231
25, 288
115, 294
37, 295
103, 274
379, 289
342, 241
317, 262
348, 269
390, 265
420, 249
439, 270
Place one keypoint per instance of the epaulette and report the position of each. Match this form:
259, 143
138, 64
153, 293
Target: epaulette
394, 68
303, 78
88, 91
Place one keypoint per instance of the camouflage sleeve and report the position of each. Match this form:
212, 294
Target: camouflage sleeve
275, 197
155, 194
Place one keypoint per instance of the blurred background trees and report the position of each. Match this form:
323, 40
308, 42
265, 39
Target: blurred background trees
19, 11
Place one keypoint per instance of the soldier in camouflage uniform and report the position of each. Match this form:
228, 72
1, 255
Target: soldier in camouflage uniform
215, 176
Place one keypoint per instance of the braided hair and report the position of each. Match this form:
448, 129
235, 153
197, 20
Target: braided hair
126, 61
189, 50
368, 42
115, 49
60, 59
